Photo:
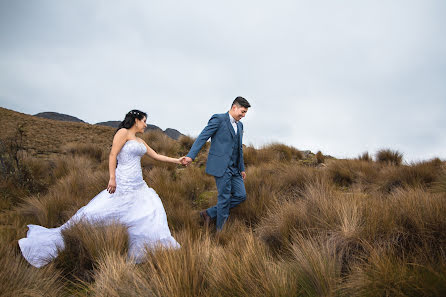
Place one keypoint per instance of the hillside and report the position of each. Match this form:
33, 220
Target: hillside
310, 226
46, 137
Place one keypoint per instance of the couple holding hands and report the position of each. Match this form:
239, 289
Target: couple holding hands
131, 202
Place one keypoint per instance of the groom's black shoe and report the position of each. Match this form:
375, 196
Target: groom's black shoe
205, 217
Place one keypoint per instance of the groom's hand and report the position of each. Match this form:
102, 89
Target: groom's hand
186, 161
243, 174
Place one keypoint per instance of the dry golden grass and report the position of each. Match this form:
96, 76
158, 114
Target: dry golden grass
388, 156
269, 153
365, 157
86, 243
90, 150
350, 228
18, 278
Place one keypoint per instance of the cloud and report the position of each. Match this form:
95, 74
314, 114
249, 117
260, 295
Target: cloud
343, 76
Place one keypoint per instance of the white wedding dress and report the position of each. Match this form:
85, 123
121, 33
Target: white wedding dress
133, 204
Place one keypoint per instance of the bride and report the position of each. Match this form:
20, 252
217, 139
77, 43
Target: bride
127, 200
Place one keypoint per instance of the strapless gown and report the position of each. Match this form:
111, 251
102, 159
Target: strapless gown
133, 204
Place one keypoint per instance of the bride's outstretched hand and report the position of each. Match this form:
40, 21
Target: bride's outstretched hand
182, 161
111, 188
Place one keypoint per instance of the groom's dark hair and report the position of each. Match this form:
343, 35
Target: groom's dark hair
240, 101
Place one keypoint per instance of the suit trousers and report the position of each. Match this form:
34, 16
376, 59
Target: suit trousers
231, 192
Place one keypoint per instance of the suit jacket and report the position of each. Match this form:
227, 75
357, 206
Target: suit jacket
223, 136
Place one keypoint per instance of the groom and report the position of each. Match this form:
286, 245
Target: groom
225, 159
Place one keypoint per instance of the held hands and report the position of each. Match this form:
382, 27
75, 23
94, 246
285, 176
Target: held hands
180, 161
185, 161
111, 188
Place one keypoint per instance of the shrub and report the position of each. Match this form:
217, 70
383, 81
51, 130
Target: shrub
387, 156
320, 157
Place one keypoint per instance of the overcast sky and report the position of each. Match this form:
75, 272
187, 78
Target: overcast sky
342, 77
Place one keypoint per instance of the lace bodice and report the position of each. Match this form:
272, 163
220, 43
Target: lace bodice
128, 171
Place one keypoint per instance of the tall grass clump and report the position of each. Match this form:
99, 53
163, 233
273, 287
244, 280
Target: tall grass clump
346, 173
269, 153
245, 268
115, 276
167, 272
386, 273
365, 157
161, 143
18, 278
388, 156
64, 198
89, 150
440, 185
21, 174
86, 243
185, 142
179, 209
424, 174
315, 266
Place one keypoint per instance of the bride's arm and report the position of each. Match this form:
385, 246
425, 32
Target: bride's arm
152, 154
118, 142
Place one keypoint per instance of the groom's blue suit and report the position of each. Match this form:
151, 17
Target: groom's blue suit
225, 163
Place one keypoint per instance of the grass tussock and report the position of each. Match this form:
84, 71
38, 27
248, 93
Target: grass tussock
90, 150
18, 278
350, 228
365, 157
86, 243
269, 153
160, 142
388, 156
385, 273
64, 198
315, 266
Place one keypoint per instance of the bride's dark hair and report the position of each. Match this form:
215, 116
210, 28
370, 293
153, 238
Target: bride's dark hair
130, 117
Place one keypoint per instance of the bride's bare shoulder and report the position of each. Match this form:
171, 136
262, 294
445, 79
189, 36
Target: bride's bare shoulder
140, 140
121, 134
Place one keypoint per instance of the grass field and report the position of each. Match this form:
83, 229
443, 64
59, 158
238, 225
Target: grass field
312, 225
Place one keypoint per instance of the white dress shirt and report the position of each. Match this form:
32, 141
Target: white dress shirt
233, 123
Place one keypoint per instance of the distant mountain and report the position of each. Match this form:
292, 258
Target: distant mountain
58, 116
153, 127
113, 124
172, 133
